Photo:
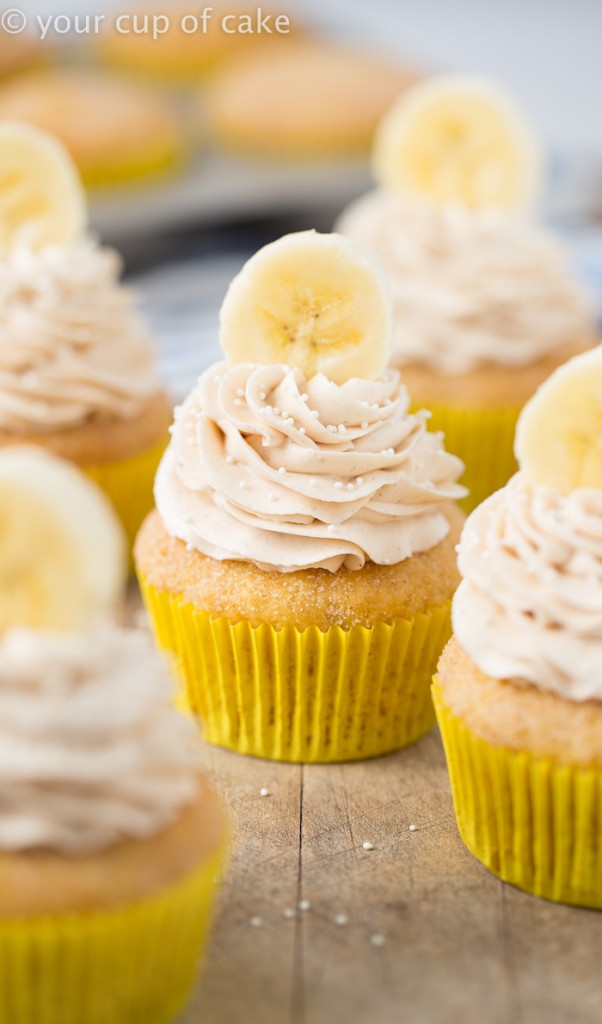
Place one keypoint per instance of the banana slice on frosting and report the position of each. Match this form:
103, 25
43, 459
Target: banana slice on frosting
42, 200
63, 553
559, 433
310, 300
458, 140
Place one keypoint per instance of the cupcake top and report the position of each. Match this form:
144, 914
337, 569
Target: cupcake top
282, 465
474, 283
529, 607
71, 343
470, 287
91, 752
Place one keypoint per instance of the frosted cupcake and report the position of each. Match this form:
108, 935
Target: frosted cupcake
519, 691
77, 367
301, 559
486, 306
110, 841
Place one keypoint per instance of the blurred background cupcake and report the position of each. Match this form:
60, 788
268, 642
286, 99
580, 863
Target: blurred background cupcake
77, 367
486, 306
110, 840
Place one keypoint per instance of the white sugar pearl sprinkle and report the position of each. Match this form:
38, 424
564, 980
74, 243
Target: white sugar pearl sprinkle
304, 905
288, 913
412, 828
230, 460
350, 487
331, 427
264, 791
359, 481
240, 392
331, 528
315, 413
256, 922
338, 486
302, 430
281, 470
238, 402
367, 845
243, 485
364, 425
377, 940
341, 920
273, 497
312, 482
262, 396
342, 428
304, 398
276, 410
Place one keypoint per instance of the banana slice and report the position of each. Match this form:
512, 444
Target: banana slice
62, 549
42, 200
312, 301
559, 432
458, 140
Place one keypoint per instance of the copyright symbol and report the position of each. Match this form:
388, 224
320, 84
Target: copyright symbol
13, 21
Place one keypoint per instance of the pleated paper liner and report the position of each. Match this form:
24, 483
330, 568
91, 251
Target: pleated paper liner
303, 695
128, 483
484, 440
532, 822
134, 964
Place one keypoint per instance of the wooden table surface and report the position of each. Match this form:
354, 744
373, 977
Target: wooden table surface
430, 936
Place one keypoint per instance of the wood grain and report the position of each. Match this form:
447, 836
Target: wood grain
458, 944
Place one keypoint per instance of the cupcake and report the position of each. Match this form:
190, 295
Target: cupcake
304, 99
77, 366
110, 840
116, 130
519, 688
300, 561
485, 303
189, 43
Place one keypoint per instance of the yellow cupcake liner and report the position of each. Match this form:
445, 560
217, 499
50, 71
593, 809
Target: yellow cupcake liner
128, 483
135, 963
303, 695
158, 162
532, 822
484, 440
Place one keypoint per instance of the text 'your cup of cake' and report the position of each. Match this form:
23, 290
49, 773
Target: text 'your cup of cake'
519, 687
300, 561
485, 303
77, 367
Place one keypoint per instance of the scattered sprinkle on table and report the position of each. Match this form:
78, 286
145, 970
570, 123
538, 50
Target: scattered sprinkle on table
341, 920
264, 791
367, 846
256, 922
412, 828
377, 940
304, 905
289, 913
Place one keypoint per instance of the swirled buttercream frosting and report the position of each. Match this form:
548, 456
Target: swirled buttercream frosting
529, 607
267, 467
72, 344
91, 752
470, 288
